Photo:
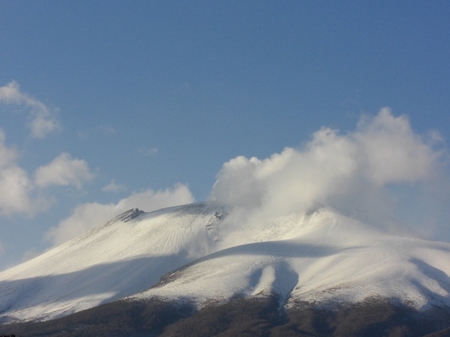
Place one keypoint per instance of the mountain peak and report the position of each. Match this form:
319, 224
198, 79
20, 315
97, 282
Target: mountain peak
131, 214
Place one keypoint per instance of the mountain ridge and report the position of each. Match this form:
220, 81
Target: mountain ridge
196, 252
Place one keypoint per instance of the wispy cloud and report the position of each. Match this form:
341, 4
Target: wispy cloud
146, 152
107, 129
90, 215
30, 254
42, 119
113, 187
64, 171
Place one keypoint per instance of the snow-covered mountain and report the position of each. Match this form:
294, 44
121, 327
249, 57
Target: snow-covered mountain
196, 252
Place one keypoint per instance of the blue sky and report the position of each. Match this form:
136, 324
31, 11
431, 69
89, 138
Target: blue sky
114, 104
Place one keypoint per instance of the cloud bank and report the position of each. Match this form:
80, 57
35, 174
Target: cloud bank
90, 215
356, 172
42, 120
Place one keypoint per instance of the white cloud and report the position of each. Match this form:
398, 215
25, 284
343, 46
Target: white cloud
90, 215
15, 186
64, 170
42, 123
43, 120
8, 156
290, 181
10, 94
353, 171
113, 187
21, 195
392, 152
83, 218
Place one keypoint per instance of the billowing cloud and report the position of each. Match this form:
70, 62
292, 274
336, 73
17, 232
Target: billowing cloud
64, 170
392, 152
90, 215
42, 119
354, 172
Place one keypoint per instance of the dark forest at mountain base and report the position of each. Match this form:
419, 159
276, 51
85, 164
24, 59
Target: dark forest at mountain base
241, 317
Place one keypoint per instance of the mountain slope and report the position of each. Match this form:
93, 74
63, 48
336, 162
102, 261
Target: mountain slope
255, 316
120, 258
323, 258
198, 254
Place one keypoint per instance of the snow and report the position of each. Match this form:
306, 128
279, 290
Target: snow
115, 260
322, 258
193, 252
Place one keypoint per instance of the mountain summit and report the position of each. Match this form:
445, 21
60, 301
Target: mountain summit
200, 254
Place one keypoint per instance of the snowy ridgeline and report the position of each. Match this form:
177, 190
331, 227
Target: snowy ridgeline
202, 253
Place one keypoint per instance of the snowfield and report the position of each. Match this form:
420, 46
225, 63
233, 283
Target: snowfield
194, 252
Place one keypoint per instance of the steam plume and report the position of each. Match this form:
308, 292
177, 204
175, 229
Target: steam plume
361, 173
